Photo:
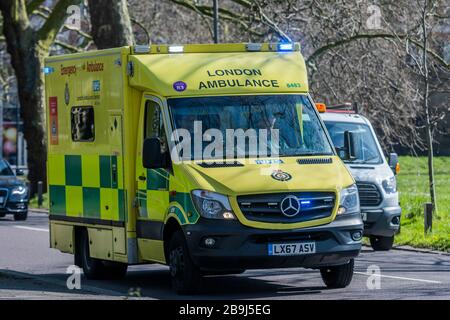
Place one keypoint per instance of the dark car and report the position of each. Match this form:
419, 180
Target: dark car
13, 192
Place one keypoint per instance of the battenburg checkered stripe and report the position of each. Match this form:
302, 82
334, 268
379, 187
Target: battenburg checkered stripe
157, 188
88, 186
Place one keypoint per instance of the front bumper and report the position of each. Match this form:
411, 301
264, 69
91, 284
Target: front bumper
240, 247
382, 222
12, 207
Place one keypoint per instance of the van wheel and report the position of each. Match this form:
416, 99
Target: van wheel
21, 216
184, 274
92, 268
338, 276
379, 243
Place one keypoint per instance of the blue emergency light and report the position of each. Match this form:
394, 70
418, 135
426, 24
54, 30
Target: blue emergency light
285, 46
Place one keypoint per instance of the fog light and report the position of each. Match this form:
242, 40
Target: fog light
356, 236
341, 210
395, 220
228, 215
209, 242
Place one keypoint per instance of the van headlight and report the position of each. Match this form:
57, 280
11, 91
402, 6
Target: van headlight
19, 193
349, 200
212, 205
390, 185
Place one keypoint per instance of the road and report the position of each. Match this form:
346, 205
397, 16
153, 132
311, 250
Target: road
29, 269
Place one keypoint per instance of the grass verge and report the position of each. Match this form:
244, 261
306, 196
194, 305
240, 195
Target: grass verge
414, 192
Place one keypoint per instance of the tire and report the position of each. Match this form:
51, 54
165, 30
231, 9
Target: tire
185, 276
379, 243
93, 268
338, 276
21, 216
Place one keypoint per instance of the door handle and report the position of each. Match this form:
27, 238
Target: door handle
142, 178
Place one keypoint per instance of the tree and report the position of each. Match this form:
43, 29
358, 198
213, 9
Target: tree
110, 23
392, 70
28, 45
347, 60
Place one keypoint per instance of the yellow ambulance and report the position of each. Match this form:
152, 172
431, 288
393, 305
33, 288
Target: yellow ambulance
156, 155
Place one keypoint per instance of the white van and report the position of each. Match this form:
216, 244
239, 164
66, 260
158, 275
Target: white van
375, 176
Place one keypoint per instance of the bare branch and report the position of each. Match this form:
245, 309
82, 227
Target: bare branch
47, 33
34, 5
345, 41
141, 25
67, 46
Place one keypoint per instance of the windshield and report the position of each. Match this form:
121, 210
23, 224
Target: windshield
366, 147
5, 170
273, 125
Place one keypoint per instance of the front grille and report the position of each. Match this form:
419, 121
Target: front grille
369, 195
267, 207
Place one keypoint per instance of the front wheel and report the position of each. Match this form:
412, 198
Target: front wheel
184, 274
21, 216
338, 276
380, 243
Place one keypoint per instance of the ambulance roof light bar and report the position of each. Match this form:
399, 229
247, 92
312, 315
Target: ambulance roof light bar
176, 49
253, 46
286, 46
141, 48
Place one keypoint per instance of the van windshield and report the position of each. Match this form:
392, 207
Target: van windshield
366, 146
273, 125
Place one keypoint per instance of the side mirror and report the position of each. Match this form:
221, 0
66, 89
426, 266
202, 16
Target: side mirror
349, 145
19, 172
152, 158
393, 163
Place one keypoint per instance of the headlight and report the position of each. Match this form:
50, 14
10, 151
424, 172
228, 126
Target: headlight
390, 185
212, 205
18, 193
349, 200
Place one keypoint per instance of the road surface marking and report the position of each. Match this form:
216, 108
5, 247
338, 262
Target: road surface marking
401, 278
31, 228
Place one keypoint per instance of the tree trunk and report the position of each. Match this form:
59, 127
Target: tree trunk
426, 106
111, 25
27, 60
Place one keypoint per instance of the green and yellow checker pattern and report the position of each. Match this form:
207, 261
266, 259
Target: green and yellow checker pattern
157, 189
87, 186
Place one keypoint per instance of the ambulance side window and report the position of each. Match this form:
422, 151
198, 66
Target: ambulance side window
154, 125
82, 124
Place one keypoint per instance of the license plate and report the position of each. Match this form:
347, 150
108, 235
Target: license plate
364, 216
291, 249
